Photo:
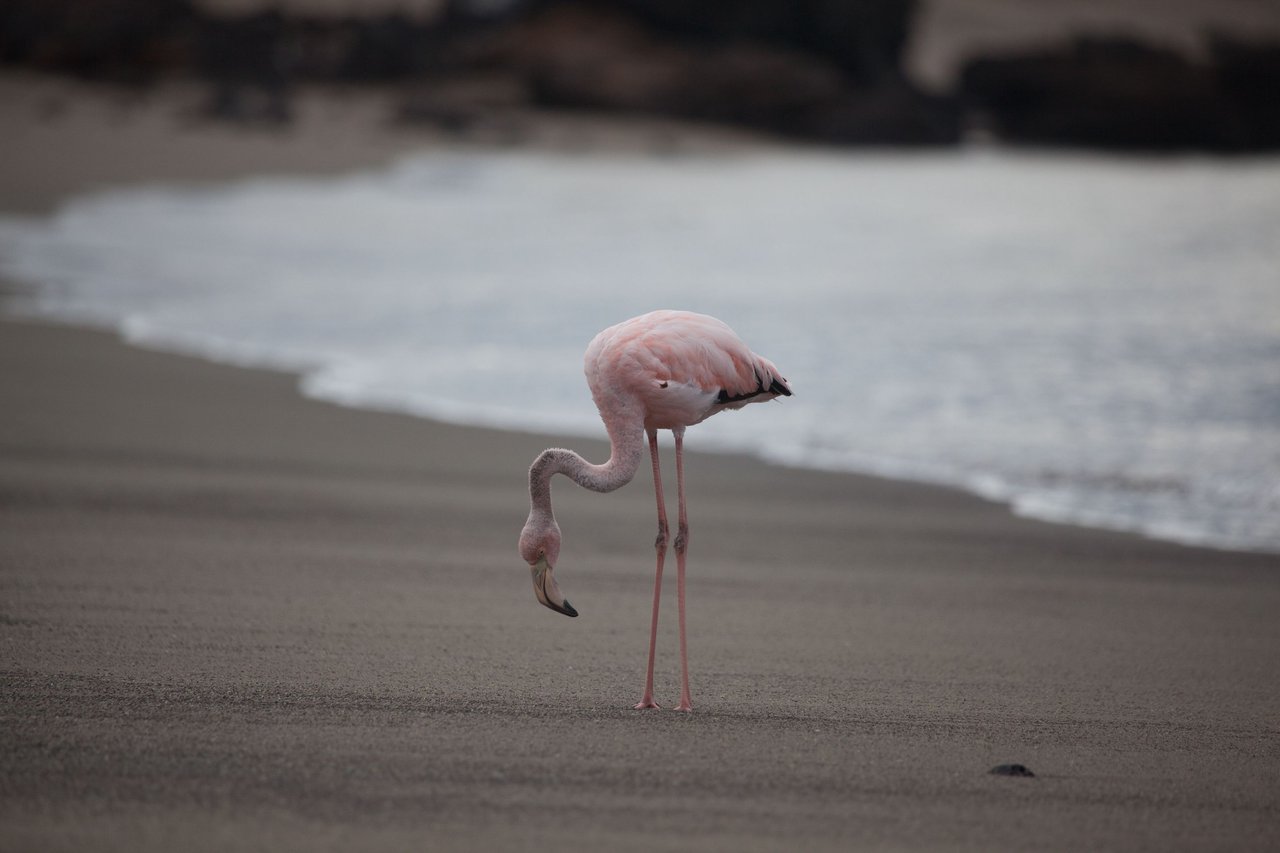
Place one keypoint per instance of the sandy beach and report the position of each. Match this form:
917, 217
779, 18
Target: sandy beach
234, 618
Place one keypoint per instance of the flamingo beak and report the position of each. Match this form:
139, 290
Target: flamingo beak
547, 590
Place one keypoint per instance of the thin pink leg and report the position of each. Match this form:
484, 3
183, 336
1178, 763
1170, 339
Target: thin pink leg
682, 545
646, 701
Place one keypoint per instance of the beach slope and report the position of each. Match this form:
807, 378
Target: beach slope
235, 618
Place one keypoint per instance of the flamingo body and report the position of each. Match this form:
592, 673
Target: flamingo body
681, 367
662, 370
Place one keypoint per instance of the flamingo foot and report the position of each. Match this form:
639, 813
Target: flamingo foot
685, 705
646, 703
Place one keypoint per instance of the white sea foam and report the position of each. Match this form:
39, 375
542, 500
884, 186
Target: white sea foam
1095, 340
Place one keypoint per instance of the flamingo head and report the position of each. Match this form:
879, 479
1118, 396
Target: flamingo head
540, 546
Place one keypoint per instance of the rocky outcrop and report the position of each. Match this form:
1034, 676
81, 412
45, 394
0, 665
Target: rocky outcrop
865, 39
1247, 76
1121, 94
584, 57
119, 40
823, 70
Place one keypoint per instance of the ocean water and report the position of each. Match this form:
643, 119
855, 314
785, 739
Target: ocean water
1095, 340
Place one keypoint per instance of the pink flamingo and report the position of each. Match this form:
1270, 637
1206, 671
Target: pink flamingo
662, 370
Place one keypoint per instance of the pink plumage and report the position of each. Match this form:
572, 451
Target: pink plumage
662, 370
684, 367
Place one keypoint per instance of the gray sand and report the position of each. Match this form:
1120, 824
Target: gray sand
233, 618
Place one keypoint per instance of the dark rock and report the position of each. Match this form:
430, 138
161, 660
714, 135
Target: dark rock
390, 47
1011, 770
864, 38
125, 41
1119, 93
892, 114
1248, 79
250, 62
587, 58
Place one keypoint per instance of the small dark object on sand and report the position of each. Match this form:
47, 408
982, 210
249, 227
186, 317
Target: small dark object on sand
1012, 770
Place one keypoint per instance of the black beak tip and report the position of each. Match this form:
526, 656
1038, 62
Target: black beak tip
568, 609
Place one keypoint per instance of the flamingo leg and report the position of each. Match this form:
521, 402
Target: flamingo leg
646, 701
681, 546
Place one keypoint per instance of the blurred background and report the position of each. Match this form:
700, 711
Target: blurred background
1128, 74
1026, 247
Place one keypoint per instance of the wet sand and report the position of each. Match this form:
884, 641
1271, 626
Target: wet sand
234, 618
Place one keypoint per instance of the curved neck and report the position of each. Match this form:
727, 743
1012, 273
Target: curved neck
627, 441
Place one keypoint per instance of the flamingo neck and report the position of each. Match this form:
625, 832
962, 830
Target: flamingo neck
627, 449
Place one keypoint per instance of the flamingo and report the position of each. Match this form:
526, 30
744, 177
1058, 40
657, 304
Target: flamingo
661, 370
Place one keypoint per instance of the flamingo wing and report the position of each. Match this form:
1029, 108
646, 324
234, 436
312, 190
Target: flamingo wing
683, 367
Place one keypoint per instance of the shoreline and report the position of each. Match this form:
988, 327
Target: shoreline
239, 618
257, 155
977, 487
